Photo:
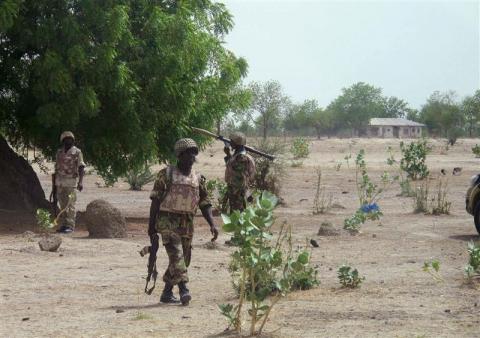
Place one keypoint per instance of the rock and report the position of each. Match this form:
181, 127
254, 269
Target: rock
327, 229
314, 243
119, 311
50, 243
103, 220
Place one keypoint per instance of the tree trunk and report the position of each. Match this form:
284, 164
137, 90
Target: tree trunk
264, 127
19, 185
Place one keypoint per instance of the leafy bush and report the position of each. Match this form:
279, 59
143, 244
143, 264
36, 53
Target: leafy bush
367, 212
269, 174
44, 219
348, 277
404, 182
262, 264
476, 150
473, 266
140, 176
300, 148
413, 160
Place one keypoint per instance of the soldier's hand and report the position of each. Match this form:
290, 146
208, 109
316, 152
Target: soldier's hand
226, 150
80, 186
214, 231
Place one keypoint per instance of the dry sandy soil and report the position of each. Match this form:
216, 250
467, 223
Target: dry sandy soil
94, 288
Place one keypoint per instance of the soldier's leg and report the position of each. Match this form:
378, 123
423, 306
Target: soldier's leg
177, 270
70, 211
62, 197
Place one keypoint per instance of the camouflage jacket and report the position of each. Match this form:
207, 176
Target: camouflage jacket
169, 221
240, 171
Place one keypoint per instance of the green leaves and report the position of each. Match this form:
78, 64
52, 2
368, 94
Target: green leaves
473, 266
43, 219
348, 277
413, 160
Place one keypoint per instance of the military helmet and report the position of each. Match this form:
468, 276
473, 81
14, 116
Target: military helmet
184, 144
66, 134
238, 138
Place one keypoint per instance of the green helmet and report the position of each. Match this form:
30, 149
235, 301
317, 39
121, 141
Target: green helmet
184, 144
238, 138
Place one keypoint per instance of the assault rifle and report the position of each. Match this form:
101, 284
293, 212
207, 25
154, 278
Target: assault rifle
152, 263
53, 197
226, 140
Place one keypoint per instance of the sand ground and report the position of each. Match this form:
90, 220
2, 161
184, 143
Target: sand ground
94, 288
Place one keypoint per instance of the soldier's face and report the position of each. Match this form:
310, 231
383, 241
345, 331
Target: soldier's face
187, 158
68, 142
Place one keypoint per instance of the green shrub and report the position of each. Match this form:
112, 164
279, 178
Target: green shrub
217, 193
348, 277
476, 150
140, 176
269, 174
413, 160
473, 266
300, 148
260, 264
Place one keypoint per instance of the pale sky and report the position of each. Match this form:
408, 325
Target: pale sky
315, 48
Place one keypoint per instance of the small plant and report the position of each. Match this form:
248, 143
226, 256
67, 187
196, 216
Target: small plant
433, 269
322, 202
404, 182
413, 160
348, 277
476, 150
142, 316
435, 204
138, 177
260, 266
473, 266
296, 163
300, 148
217, 193
368, 193
338, 166
44, 220
440, 203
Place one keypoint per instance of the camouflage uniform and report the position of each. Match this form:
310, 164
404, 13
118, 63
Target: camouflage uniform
238, 175
67, 165
176, 229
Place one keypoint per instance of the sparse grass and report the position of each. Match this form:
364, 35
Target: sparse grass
322, 202
142, 316
435, 203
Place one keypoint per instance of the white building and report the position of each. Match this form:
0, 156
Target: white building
394, 127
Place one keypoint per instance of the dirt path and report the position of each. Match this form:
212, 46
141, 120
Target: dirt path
94, 288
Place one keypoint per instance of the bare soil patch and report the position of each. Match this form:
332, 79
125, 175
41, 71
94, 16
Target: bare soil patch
94, 287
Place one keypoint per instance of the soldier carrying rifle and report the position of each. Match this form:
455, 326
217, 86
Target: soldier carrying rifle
177, 193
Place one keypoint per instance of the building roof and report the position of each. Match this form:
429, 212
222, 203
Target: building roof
396, 122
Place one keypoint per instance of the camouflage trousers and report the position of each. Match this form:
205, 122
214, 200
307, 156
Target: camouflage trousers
179, 251
236, 199
67, 218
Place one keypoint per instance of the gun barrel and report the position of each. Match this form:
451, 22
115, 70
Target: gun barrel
224, 139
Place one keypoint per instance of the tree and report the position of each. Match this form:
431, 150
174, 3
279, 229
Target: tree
471, 111
268, 105
395, 107
301, 116
128, 77
356, 105
442, 114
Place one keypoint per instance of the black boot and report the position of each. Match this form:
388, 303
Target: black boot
167, 295
184, 293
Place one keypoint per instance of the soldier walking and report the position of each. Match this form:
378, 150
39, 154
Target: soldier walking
69, 167
177, 193
239, 172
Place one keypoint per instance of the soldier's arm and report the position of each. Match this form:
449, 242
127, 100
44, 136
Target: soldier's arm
156, 195
81, 171
206, 208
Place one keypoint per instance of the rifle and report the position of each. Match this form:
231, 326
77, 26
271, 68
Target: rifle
152, 263
53, 197
221, 138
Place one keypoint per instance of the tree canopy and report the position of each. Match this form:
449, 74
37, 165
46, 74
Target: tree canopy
128, 77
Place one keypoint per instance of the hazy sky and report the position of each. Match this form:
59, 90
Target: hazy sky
315, 48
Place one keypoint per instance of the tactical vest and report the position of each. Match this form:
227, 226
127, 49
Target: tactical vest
183, 195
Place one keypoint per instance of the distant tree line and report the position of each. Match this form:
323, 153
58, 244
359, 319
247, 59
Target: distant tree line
271, 112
